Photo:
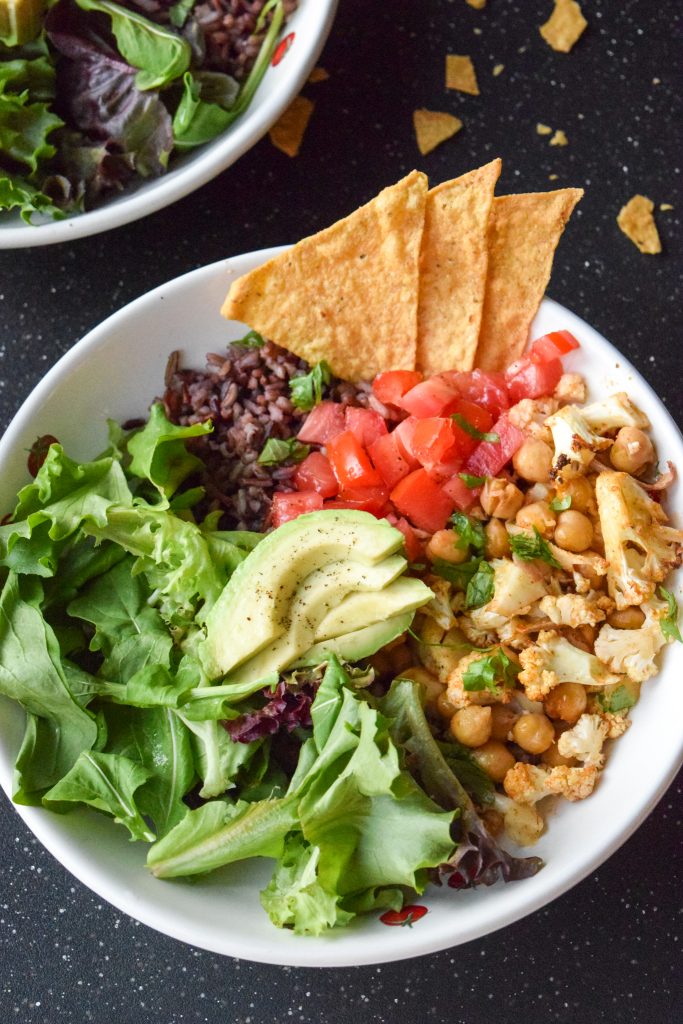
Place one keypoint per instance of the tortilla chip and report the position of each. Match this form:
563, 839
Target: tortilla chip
433, 127
348, 294
559, 139
636, 221
497, 69
287, 133
478, 5
318, 74
460, 74
543, 129
564, 26
524, 231
453, 270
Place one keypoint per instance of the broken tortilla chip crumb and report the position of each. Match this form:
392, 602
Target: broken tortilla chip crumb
460, 74
318, 74
433, 127
543, 129
497, 69
564, 26
665, 206
553, 177
559, 138
478, 5
636, 221
287, 133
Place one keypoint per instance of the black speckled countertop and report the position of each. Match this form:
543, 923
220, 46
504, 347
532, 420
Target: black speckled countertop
610, 949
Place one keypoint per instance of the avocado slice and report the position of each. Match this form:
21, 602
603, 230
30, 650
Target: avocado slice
365, 608
253, 609
359, 644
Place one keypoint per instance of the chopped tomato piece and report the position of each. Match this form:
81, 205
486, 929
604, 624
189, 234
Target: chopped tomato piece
388, 460
476, 415
404, 439
422, 501
489, 457
433, 397
351, 463
288, 506
414, 546
487, 389
369, 499
389, 387
552, 346
407, 916
526, 379
462, 496
324, 421
433, 440
315, 474
366, 424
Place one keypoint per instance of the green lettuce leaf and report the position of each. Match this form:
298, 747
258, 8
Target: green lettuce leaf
218, 759
198, 120
159, 453
19, 194
295, 898
24, 129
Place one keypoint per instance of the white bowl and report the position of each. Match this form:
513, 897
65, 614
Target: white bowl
311, 24
116, 371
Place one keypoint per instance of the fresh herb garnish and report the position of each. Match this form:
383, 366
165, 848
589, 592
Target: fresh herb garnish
470, 532
481, 587
251, 340
472, 481
472, 430
307, 391
490, 672
459, 575
532, 548
275, 450
561, 504
619, 700
669, 624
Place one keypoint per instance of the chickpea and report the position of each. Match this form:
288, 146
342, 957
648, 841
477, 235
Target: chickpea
533, 461
597, 582
497, 540
495, 759
471, 725
500, 498
533, 732
582, 636
502, 720
631, 451
538, 514
627, 618
574, 531
553, 758
445, 705
442, 546
580, 491
567, 702
429, 684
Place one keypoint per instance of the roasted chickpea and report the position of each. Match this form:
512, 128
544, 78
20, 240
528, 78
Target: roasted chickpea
582, 637
429, 684
502, 720
538, 514
495, 759
567, 702
533, 461
574, 531
500, 498
497, 540
445, 706
533, 732
553, 758
580, 491
442, 546
627, 618
471, 726
597, 582
631, 451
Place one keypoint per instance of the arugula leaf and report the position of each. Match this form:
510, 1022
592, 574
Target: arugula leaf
472, 481
275, 451
472, 430
561, 504
159, 452
669, 624
531, 548
107, 782
619, 699
252, 339
481, 587
307, 391
489, 672
470, 532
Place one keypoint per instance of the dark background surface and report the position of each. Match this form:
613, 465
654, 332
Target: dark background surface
610, 949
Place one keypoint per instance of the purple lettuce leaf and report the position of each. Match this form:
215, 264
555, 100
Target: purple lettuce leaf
287, 707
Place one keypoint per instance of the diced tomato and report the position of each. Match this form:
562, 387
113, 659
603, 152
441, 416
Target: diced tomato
526, 379
489, 457
407, 916
289, 506
324, 421
422, 501
433, 440
404, 433
315, 474
476, 415
433, 397
414, 546
552, 346
487, 389
366, 424
368, 499
462, 496
351, 463
389, 387
388, 460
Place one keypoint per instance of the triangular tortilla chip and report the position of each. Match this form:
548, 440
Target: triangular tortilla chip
523, 234
453, 270
348, 294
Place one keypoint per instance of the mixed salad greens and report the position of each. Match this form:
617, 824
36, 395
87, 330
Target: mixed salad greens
94, 94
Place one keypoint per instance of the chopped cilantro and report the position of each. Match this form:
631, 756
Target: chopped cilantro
561, 504
618, 700
472, 481
470, 532
490, 672
669, 624
307, 391
480, 589
472, 430
275, 450
251, 340
532, 548
459, 575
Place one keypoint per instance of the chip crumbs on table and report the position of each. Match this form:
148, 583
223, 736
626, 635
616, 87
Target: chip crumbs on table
637, 222
287, 133
564, 26
460, 74
432, 127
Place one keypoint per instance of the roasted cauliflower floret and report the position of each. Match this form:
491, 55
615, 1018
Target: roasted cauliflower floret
633, 651
613, 413
530, 415
640, 549
460, 697
552, 660
572, 783
439, 651
576, 443
523, 823
576, 609
439, 608
584, 740
527, 784
571, 387
515, 590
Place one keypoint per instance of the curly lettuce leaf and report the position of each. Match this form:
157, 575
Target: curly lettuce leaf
159, 453
19, 194
295, 898
24, 130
